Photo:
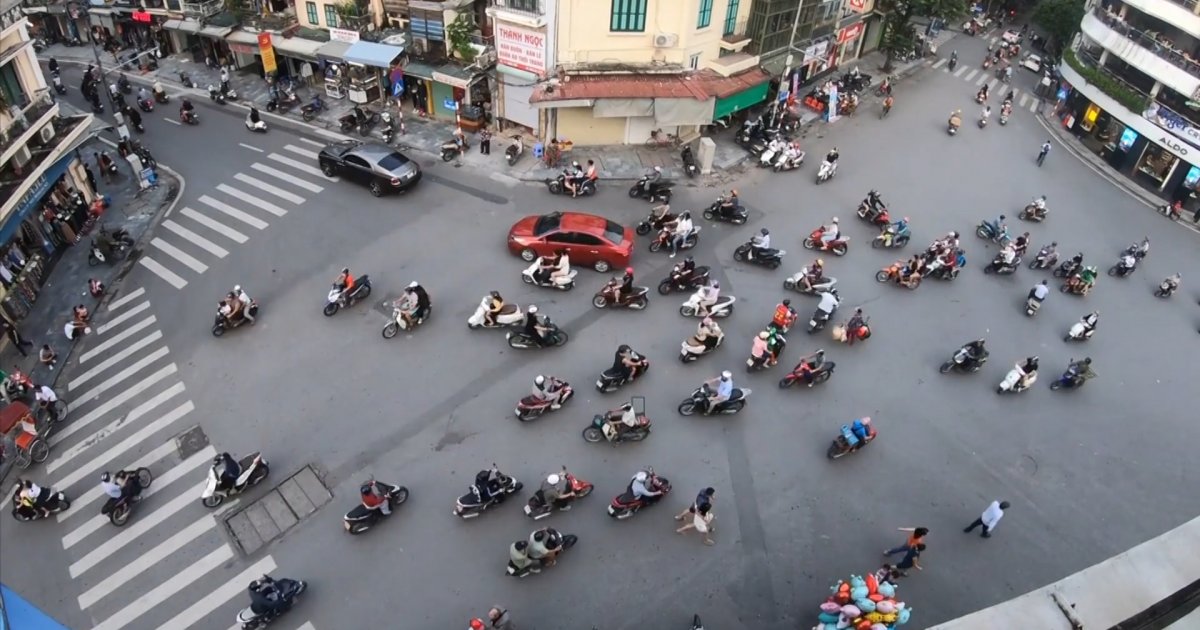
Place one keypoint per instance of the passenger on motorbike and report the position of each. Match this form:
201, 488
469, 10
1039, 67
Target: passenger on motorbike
547, 389
832, 157
784, 315
1021, 245
730, 204
682, 272
708, 297
720, 389
623, 286
244, 299
494, 306
708, 333
375, 498
808, 364
555, 491
855, 325
683, 229
1080, 371
265, 599
760, 242
518, 555
1039, 292
1007, 255
625, 364
621, 419
813, 274
228, 470
759, 351
419, 296
976, 353
573, 177
831, 232
1172, 283
235, 307
34, 497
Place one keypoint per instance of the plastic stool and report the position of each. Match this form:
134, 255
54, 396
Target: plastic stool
539, 150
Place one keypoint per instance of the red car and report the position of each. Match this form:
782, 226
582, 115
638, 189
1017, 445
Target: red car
589, 239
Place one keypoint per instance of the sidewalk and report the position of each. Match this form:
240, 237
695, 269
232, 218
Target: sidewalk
1152, 584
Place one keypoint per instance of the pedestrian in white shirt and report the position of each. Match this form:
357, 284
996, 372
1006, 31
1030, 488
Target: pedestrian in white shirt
46, 398
989, 519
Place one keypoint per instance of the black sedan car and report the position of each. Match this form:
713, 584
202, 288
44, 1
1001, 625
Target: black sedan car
376, 166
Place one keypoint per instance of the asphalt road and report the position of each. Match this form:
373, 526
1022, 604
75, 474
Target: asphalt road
1090, 473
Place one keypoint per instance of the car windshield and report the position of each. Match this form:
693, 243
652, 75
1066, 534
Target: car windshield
614, 233
547, 223
392, 161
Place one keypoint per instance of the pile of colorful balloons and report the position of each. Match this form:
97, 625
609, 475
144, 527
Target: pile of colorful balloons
862, 604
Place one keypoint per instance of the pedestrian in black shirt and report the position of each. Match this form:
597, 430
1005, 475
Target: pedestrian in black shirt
485, 141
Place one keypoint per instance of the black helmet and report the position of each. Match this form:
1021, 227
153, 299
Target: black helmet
365, 489
787, 302
345, 270
105, 477
623, 348
689, 260
765, 231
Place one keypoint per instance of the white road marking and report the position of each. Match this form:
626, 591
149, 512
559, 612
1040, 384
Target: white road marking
145, 560
939, 63
140, 525
63, 458
312, 142
196, 239
125, 353
215, 225
1024, 100
252, 200
251, 147
160, 353
328, 134
180, 255
165, 590
992, 84
125, 299
107, 141
172, 120
971, 75
983, 77
274, 190
230, 589
234, 212
1015, 92
298, 165
116, 321
79, 424
299, 151
118, 338
94, 493
1033, 106
291, 179
959, 72
125, 445
159, 270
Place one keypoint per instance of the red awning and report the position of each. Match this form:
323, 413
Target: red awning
701, 86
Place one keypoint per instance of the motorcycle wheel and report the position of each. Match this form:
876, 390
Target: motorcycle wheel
686, 311
1055, 385
212, 502
773, 264
739, 254
655, 245
400, 497
518, 342
358, 528
840, 250
218, 330
1113, 270
882, 276
989, 269
256, 478
330, 309
599, 301
554, 188
120, 516
787, 381
1060, 273
877, 242
560, 339
708, 216
586, 490
307, 116
93, 261
144, 477
664, 287
593, 435
946, 367
447, 156
835, 452
809, 243
981, 232
634, 192
687, 407
529, 416
390, 330
738, 220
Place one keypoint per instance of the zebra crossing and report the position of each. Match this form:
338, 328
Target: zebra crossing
170, 567
204, 230
979, 76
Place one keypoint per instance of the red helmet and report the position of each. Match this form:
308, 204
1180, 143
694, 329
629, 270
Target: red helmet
629, 271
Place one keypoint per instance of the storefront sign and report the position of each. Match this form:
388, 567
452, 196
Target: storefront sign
450, 104
1172, 122
520, 48
267, 50
243, 49
816, 51
860, 6
141, 16
462, 84
1173, 143
850, 32
343, 35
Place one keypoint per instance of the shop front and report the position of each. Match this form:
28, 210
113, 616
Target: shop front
369, 70
520, 65
333, 67
448, 92
206, 43
101, 22
849, 42
244, 48
297, 56
139, 28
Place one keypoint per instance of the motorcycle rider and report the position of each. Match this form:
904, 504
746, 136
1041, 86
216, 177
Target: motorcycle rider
518, 555
1090, 321
1083, 280
985, 114
533, 326
254, 117
976, 353
760, 242
556, 492
1079, 371
641, 485
548, 389
265, 600
142, 95
708, 333
1140, 251
813, 274
625, 286
997, 227
830, 233
730, 204
1050, 253
720, 389
186, 109
683, 228
345, 283
35, 497
375, 498
1021, 245
420, 296
621, 419
708, 298
1172, 283
874, 202
1129, 261
1039, 292
573, 177
955, 120
832, 157
982, 95
1007, 256
494, 306
898, 229
235, 307
784, 315
158, 90
682, 272
123, 486
244, 299
228, 471
652, 178
809, 364
1029, 371
544, 545
625, 364
758, 351
854, 326
133, 115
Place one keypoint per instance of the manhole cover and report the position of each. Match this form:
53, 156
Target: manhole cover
191, 442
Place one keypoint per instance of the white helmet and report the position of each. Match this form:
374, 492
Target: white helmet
726, 375
237, 288
552, 480
413, 284
641, 476
532, 309
539, 380
835, 219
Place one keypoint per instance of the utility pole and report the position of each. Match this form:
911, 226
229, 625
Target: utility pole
122, 130
787, 64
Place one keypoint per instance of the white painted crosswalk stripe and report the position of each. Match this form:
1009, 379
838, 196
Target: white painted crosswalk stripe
959, 72
313, 142
119, 319
252, 221
116, 450
301, 151
269, 188
165, 590
125, 353
159, 270
982, 79
252, 200
939, 63
117, 338
214, 225
300, 166
145, 560
1024, 100
187, 468
992, 84
196, 239
230, 589
100, 411
971, 74
125, 299
137, 527
290, 179
1033, 106
180, 255
64, 457
122, 375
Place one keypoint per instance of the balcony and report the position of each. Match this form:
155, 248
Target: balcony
202, 10
1153, 55
529, 13
733, 63
1183, 14
1123, 94
735, 37
355, 15
19, 129
17, 179
282, 21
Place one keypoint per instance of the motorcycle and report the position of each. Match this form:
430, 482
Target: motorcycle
253, 470
1045, 259
58, 86
223, 323
562, 283
186, 80
514, 150
767, 158
1172, 210
1015, 381
228, 92
57, 502
713, 213
1165, 289
634, 300
852, 438
770, 258
361, 518
1032, 306
989, 231
530, 408
824, 284
96, 256
652, 223
1067, 269
216, 95
161, 97
611, 380
451, 149
499, 485
314, 107
999, 267
123, 84
509, 315
398, 322
189, 117
838, 246
698, 401
1071, 379
824, 312
1033, 212
821, 373
826, 172
659, 191
843, 333
723, 307
1080, 331
586, 187
600, 429
895, 273
626, 504
258, 127
145, 104
692, 348
887, 238
873, 211
962, 362
664, 240
520, 341
537, 508
564, 542
387, 129
288, 591
118, 511
953, 125
689, 162
334, 301
698, 278
1123, 268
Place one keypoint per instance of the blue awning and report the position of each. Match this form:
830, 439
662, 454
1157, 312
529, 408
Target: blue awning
372, 54
33, 197
18, 614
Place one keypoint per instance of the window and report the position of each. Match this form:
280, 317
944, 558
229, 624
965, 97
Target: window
524, 5
628, 16
311, 9
694, 61
731, 14
561, 237
705, 17
587, 239
392, 162
331, 16
357, 162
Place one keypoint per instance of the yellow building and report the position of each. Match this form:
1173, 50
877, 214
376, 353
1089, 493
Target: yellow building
628, 68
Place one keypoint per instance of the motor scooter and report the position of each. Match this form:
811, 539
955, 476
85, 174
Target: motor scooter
852, 438
537, 508
253, 470
257, 127
514, 150
689, 162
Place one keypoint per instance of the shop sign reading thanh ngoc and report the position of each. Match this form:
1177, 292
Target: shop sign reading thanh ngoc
520, 48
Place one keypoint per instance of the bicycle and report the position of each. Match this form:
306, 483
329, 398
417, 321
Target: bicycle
659, 139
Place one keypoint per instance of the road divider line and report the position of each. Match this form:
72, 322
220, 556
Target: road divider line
180, 255
939, 63
165, 590
145, 560
79, 424
120, 448
125, 299
252, 221
298, 165
117, 338
287, 178
122, 375
125, 353
312, 142
186, 467
215, 225
251, 147
971, 74
312, 155
159, 270
196, 239
233, 587
959, 72
172, 120
119, 319
252, 200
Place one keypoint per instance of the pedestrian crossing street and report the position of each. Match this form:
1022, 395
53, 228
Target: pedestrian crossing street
170, 567
978, 76
204, 230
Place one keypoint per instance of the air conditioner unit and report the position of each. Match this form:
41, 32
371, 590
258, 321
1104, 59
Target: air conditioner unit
46, 133
22, 156
665, 40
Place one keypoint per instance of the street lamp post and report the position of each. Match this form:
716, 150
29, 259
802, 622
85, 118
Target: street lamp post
787, 64
122, 130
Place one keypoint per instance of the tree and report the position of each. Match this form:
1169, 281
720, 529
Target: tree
459, 33
899, 35
1060, 19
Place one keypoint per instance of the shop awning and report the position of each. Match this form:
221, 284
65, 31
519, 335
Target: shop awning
243, 37
297, 47
672, 112
187, 26
333, 51
372, 54
740, 100
419, 70
217, 32
33, 197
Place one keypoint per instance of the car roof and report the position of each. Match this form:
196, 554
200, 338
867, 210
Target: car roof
373, 150
580, 221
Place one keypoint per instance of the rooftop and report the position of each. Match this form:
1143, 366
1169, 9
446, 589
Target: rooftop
700, 85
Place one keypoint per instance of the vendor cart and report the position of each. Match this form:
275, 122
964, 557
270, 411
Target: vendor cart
18, 425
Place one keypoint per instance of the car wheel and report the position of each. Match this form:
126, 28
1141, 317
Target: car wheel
528, 255
376, 189
600, 266
328, 169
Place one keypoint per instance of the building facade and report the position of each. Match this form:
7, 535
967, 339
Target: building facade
39, 169
819, 36
625, 71
1131, 91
